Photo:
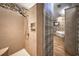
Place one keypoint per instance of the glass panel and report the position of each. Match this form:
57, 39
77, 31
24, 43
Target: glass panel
48, 31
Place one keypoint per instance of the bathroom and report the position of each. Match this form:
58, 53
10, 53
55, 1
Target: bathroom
19, 31
37, 29
64, 38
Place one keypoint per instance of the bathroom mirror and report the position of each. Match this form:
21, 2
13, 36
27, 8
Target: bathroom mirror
56, 23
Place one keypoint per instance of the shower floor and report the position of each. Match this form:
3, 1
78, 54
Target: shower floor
22, 52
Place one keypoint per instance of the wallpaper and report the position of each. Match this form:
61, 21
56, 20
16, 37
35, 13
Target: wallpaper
14, 7
61, 26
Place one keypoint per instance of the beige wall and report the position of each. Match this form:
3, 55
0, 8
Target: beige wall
30, 44
40, 28
13, 26
11, 30
34, 42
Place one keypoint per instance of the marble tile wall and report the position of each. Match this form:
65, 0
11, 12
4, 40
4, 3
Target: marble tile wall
48, 31
71, 31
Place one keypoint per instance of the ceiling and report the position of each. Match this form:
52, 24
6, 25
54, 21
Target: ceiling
26, 5
59, 9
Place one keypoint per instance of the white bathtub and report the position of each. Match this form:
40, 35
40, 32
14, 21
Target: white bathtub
60, 33
3, 50
22, 52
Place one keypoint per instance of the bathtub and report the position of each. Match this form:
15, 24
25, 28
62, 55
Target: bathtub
22, 52
60, 34
4, 51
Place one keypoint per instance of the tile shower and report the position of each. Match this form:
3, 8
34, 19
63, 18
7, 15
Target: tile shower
48, 30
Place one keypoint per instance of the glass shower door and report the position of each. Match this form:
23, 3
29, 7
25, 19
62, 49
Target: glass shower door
48, 26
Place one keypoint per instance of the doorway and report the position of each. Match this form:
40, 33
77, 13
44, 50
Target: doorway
58, 37
58, 26
65, 38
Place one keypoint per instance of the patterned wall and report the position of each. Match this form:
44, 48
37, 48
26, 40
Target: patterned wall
61, 26
14, 7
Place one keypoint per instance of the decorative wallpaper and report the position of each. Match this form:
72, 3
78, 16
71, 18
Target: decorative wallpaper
61, 26
14, 7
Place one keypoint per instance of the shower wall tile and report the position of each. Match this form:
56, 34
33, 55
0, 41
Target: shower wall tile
71, 31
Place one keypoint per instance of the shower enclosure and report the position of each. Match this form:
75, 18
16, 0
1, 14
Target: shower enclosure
48, 30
